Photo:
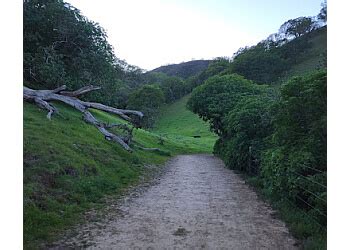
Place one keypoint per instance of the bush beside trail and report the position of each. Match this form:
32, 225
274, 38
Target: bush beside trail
277, 138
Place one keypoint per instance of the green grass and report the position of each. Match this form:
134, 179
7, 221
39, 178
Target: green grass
180, 125
69, 166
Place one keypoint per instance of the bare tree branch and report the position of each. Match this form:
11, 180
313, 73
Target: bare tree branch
80, 91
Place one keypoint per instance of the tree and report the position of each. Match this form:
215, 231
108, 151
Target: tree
297, 27
213, 100
259, 64
173, 88
323, 12
42, 98
147, 99
217, 66
61, 46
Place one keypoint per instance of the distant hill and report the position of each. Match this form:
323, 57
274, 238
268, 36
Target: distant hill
183, 70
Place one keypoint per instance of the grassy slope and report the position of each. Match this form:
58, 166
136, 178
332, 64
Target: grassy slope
312, 58
69, 166
178, 124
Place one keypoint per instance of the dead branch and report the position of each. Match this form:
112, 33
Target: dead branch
43, 97
80, 91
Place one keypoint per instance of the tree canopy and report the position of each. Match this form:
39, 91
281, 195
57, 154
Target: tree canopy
213, 100
147, 99
61, 46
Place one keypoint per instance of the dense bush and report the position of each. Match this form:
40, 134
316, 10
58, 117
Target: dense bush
213, 100
280, 139
247, 126
296, 164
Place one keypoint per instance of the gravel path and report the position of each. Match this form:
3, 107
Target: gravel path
196, 204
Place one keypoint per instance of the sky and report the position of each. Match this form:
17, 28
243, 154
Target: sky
151, 33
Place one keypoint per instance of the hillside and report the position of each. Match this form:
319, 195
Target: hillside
314, 57
273, 62
183, 70
180, 125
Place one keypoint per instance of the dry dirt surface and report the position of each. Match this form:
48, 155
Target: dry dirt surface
196, 204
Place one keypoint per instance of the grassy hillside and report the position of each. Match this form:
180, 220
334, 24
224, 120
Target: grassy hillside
69, 167
313, 58
180, 125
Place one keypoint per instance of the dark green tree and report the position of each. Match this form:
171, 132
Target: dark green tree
147, 99
61, 46
174, 88
213, 100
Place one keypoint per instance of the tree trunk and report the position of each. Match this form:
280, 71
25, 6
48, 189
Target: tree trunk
43, 97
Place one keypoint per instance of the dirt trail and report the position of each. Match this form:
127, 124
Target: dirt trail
196, 204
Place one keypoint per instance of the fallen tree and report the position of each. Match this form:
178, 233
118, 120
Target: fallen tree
42, 98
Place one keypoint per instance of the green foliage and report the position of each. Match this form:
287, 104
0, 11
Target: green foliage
278, 57
247, 126
147, 99
155, 77
213, 100
174, 88
259, 64
298, 159
149, 96
297, 27
280, 139
63, 47
273, 59
215, 67
303, 61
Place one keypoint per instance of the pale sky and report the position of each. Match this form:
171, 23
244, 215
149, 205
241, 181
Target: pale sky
151, 33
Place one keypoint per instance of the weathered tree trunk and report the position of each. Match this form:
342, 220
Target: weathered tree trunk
43, 97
